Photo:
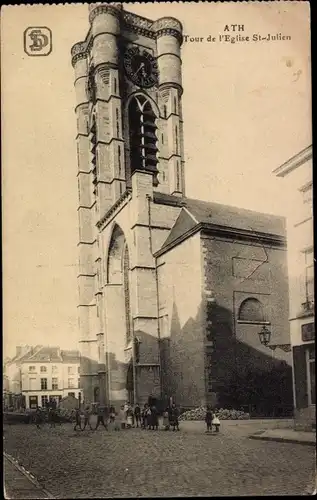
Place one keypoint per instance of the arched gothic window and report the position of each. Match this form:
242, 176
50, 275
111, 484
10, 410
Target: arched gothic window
251, 310
142, 130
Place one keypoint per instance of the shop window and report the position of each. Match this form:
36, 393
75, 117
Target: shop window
33, 401
44, 400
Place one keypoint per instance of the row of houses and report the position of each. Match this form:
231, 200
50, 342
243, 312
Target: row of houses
37, 374
296, 175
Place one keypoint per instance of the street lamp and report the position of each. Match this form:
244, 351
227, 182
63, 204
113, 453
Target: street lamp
265, 336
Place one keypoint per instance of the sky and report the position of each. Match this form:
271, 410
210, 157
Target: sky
246, 110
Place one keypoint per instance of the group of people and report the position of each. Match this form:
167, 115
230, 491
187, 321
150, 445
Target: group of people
49, 413
128, 416
147, 417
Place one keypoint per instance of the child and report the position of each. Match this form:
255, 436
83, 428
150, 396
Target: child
216, 422
137, 414
77, 419
112, 414
122, 416
154, 418
144, 416
149, 418
86, 418
129, 417
208, 418
166, 420
174, 417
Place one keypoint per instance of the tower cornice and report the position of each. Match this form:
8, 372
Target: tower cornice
79, 51
96, 9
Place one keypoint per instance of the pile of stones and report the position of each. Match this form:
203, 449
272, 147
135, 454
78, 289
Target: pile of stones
223, 414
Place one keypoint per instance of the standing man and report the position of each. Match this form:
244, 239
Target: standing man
101, 417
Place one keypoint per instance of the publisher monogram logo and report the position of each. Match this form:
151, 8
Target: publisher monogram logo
38, 41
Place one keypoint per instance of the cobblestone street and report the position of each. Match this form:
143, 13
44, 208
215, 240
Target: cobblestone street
156, 463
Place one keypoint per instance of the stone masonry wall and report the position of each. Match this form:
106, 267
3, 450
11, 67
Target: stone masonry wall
233, 272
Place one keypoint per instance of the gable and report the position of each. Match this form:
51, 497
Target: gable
184, 223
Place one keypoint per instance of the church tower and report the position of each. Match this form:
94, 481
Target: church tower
128, 85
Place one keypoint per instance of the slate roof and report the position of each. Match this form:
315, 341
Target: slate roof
70, 356
46, 354
21, 357
204, 213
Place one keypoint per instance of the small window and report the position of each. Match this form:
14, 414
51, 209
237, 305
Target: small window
70, 370
43, 369
251, 311
44, 384
31, 368
54, 383
54, 369
71, 383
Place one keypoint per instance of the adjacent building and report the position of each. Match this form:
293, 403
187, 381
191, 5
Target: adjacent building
172, 291
297, 174
42, 373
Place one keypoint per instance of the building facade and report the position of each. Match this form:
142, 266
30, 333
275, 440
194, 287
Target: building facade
297, 173
151, 260
44, 373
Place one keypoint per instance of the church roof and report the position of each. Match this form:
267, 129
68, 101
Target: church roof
197, 214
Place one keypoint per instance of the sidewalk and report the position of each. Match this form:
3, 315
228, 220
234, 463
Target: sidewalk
18, 484
286, 436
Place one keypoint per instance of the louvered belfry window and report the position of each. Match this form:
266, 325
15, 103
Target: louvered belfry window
143, 138
93, 141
